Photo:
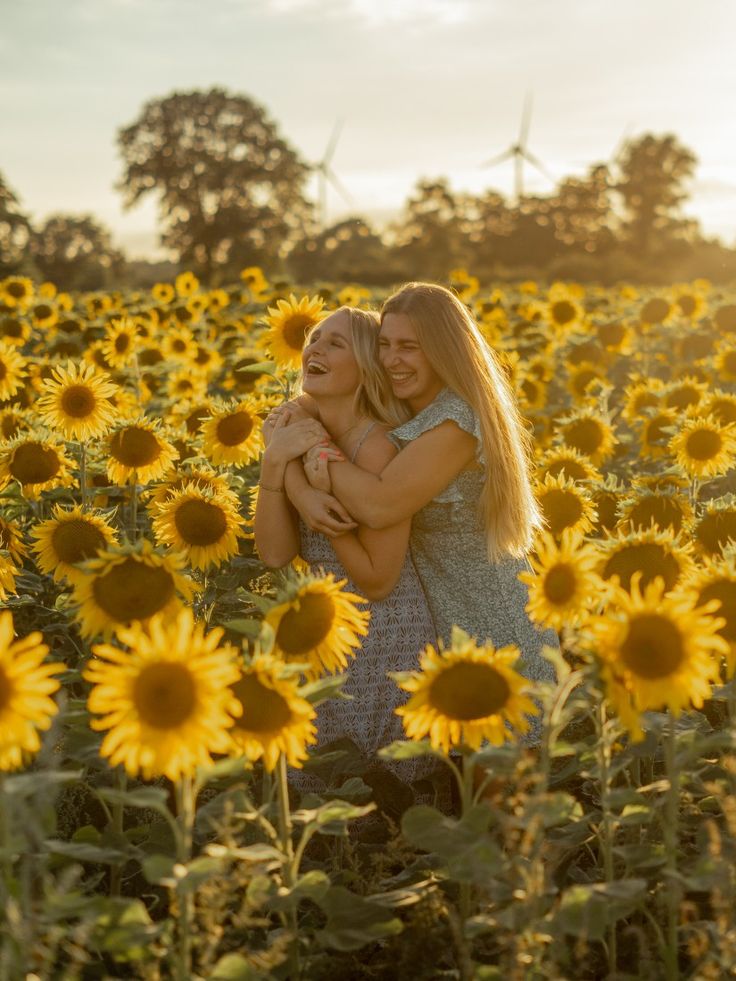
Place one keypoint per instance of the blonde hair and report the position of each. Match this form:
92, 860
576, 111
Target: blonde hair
455, 348
373, 397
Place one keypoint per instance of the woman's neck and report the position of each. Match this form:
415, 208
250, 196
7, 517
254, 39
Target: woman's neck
338, 416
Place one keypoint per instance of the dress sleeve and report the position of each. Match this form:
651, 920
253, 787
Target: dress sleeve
446, 406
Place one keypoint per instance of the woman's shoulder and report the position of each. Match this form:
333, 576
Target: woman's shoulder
376, 449
447, 406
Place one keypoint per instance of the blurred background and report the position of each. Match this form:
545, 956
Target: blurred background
367, 140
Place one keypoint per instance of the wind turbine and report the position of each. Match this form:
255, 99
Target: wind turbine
326, 174
519, 152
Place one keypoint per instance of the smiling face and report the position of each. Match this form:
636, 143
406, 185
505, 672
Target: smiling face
411, 375
328, 362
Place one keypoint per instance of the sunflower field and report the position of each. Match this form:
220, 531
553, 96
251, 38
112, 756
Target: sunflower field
158, 685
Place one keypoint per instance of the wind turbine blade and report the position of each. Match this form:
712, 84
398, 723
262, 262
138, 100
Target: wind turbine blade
336, 130
526, 119
536, 162
333, 179
499, 159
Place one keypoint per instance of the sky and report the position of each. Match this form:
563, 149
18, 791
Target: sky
426, 88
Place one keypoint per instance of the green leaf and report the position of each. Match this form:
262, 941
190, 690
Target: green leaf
234, 967
588, 910
159, 870
312, 885
247, 626
328, 687
124, 928
468, 853
39, 782
83, 852
155, 798
260, 368
336, 812
353, 921
234, 766
408, 749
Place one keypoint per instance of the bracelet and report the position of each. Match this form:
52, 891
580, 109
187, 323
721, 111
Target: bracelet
276, 490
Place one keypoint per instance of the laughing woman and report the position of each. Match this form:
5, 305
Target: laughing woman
461, 476
356, 407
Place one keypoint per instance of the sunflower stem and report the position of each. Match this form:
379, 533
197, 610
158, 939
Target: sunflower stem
83, 473
466, 802
6, 861
116, 871
604, 769
290, 869
184, 891
134, 508
670, 844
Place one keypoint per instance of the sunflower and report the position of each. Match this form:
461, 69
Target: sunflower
589, 432
639, 395
38, 465
725, 318
179, 345
532, 391
16, 291
77, 402
655, 432
289, 322
318, 623
690, 301
656, 310
126, 583
564, 312
70, 536
163, 293
44, 314
14, 330
200, 523
704, 447
464, 694
11, 540
121, 342
7, 577
715, 579
202, 476
137, 451
186, 283
12, 371
186, 384
566, 462
585, 379
564, 586
565, 504
166, 703
716, 528
651, 552
662, 507
254, 279
684, 393
615, 335
26, 684
656, 651
720, 404
275, 719
233, 433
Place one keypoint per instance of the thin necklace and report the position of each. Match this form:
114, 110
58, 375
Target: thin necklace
346, 431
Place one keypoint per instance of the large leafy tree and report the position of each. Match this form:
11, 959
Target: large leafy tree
230, 189
654, 171
15, 231
76, 252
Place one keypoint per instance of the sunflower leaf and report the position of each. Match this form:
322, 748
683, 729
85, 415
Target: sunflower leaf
259, 368
154, 798
353, 921
408, 749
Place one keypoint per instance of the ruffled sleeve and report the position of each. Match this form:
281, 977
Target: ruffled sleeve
446, 406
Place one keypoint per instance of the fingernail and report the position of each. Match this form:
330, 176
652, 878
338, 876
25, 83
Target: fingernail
323, 456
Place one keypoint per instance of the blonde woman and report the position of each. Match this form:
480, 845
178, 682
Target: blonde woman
462, 473
356, 408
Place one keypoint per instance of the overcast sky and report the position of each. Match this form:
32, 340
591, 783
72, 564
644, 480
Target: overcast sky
426, 88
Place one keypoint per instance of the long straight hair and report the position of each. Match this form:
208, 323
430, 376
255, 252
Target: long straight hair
373, 396
458, 353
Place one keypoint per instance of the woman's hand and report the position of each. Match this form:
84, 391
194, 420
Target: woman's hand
287, 412
316, 465
289, 440
322, 512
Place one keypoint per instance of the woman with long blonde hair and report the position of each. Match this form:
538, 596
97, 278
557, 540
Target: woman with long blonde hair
462, 474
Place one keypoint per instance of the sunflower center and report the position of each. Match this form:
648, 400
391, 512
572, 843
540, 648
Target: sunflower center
725, 591
687, 304
563, 312
649, 558
295, 330
584, 435
6, 689
200, 522
653, 647
78, 401
655, 310
715, 529
16, 290
468, 691
77, 540
234, 429
135, 447
664, 511
3, 370
560, 583
194, 419
34, 463
703, 444
122, 343
165, 695
305, 626
12, 327
264, 709
562, 508
133, 590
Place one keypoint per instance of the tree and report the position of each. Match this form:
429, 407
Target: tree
429, 236
15, 231
349, 251
76, 252
654, 171
230, 189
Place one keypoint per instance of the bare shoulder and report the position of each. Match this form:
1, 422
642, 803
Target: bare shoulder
377, 449
304, 404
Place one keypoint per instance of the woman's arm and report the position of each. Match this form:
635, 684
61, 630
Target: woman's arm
409, 481
374, 559
275, 524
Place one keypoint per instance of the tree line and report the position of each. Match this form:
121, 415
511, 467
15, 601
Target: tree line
230, 192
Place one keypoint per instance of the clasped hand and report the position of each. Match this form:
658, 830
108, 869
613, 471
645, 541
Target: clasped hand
316, 465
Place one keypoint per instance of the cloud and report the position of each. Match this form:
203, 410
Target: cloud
381, 13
